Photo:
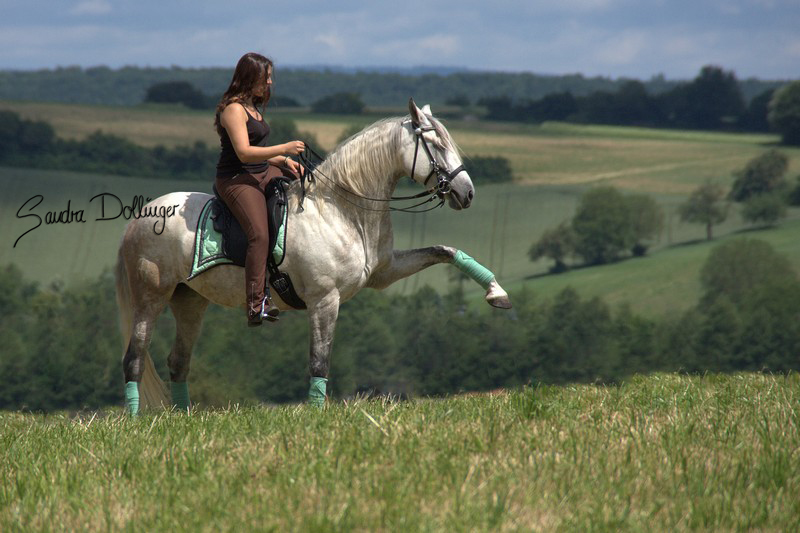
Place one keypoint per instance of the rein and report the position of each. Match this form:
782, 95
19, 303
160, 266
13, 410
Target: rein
443, 185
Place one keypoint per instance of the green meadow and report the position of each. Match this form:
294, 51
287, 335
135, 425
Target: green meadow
656, 453
553, 164
659, 452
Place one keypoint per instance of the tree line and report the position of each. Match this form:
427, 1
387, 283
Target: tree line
34, 144
128, 85
608, 224
62, 349
714, 100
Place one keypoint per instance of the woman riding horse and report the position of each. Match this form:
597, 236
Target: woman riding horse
246, 165
339, 241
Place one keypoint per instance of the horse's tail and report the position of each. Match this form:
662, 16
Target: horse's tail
152, 391
124, 302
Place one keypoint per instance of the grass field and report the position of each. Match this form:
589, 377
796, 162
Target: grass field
663, 453
554, 164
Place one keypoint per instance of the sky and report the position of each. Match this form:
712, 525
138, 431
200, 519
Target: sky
611, 38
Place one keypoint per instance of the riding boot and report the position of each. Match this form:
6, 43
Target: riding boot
263, 310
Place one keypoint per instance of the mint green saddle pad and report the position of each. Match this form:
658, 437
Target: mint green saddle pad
208, 251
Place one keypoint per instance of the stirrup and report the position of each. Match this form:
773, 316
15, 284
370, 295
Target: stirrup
269, 312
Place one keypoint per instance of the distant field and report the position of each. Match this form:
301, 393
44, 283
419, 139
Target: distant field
150, 125
497, 230
654, 453
661, 283
68, 252
649, 160
554, 164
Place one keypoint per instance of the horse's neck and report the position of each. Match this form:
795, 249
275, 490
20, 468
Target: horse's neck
367, 166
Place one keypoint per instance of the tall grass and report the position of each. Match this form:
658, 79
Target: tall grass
663, 452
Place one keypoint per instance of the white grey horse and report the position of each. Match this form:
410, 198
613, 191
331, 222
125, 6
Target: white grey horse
339, 242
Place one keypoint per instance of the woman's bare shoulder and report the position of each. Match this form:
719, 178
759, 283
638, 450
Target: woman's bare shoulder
234, 109
235, 112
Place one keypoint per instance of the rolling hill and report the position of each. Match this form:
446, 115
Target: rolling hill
553, 163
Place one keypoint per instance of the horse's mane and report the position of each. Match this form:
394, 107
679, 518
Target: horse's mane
362, 158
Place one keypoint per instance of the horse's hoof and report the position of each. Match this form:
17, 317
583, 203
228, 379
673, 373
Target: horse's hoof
501, 303
497, 297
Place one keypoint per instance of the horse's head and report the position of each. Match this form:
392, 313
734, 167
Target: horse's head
432, 159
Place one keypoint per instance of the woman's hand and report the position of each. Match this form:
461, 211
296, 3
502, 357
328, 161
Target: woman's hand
294, 147
295, 167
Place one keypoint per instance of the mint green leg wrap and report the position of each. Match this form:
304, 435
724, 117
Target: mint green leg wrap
316, 393
476, 271
132, 397
180, 395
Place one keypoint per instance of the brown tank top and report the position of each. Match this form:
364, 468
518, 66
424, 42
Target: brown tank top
229, 164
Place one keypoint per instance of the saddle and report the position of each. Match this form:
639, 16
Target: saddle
234, 240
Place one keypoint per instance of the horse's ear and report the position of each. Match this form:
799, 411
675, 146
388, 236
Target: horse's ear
427, 110
416, 113
418, 116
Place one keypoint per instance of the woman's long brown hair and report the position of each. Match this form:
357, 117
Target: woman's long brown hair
251, 72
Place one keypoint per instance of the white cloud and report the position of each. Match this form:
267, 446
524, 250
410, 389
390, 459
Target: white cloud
593, 37
728, 8
430, 50
91, 7
793, 48
622, 48
439, 45
333, 43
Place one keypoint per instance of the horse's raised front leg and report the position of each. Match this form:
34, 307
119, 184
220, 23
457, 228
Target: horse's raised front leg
322, 317
408, 262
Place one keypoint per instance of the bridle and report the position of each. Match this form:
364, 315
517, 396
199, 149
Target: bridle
444, 177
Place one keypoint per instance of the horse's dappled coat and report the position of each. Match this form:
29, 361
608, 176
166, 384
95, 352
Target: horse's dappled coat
337, 248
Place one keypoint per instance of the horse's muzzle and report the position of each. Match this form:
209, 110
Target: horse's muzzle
461, 194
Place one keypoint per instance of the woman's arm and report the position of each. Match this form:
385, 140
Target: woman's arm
234, 120
286, 162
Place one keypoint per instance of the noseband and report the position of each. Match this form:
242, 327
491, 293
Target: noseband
444, 177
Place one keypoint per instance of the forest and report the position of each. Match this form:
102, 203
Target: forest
61, 344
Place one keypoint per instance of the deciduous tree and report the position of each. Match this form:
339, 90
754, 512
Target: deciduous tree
705, 206
784, 113
762, 174
740, 266
647, 221
177, 92
602, 226
767, 208
557, 244
340, 104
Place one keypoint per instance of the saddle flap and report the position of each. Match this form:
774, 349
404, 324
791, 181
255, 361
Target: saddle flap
234, 240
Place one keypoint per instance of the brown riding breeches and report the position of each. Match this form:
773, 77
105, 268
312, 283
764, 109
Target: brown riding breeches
244, 195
